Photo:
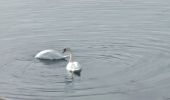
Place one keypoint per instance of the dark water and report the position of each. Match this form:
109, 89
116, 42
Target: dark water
122, 45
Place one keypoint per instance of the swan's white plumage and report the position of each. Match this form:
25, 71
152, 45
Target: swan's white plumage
49, 54
73, 66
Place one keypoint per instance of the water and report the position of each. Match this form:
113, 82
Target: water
123, 47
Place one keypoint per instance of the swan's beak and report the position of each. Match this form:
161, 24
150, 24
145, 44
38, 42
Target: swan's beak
64, 50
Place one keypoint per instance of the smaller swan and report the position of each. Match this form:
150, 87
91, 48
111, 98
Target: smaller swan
72, 66
50, 55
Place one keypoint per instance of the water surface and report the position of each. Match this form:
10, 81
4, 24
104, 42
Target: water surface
123, 47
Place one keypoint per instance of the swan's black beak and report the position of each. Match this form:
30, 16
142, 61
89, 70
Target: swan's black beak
64, 50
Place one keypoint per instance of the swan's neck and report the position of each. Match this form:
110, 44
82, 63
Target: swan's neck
71, 58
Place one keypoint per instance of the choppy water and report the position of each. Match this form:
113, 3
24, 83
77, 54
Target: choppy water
122, 45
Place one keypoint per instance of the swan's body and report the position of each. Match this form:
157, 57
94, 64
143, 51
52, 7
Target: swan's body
50, 55
72, 66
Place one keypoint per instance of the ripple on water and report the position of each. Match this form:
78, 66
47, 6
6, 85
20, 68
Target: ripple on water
123, 49
117, 65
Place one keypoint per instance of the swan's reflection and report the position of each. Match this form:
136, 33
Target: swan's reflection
51, 62
70, 80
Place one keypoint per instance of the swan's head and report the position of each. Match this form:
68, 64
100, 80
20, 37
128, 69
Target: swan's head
66, 50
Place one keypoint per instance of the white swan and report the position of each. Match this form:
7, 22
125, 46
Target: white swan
72, 66
50, 55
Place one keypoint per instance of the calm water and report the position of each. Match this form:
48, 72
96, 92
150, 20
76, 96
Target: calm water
122, 45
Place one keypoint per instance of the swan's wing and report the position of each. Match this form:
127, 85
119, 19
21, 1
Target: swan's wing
77, 66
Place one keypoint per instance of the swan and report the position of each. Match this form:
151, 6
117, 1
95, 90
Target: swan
72, 66
50, 55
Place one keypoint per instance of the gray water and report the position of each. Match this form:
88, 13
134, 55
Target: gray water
122, 45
